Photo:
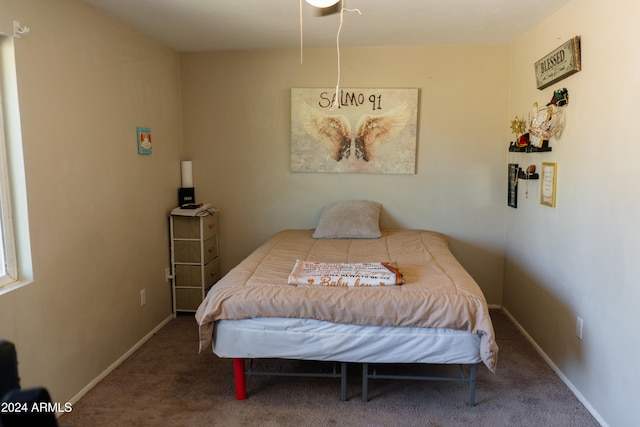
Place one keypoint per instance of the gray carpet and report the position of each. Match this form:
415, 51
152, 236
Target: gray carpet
167, 383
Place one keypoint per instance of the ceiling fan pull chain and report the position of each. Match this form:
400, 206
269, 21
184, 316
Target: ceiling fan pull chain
335, 103
301, 49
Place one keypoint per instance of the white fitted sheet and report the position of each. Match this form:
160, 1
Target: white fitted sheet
309, 339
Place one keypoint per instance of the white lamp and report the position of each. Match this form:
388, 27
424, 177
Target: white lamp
186, 193
322, 3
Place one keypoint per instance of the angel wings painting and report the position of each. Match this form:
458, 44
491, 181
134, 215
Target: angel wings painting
382, 140
334, 131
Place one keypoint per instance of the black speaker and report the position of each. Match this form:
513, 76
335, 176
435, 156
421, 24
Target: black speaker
186, 196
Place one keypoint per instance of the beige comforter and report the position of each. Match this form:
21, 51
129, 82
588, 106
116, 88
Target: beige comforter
437, 292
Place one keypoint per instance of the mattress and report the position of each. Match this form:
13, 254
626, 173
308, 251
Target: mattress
309, 339
437, 293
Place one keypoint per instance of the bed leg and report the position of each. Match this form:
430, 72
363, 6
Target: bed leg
472, 385
241, 386
365, 382
343, 382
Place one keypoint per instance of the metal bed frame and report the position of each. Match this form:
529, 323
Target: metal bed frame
240, 373
471, 379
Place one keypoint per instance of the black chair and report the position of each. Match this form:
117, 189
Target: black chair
30, 407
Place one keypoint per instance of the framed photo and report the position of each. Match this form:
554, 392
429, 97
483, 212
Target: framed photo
144, 140
512, 185
559, 64
548, 184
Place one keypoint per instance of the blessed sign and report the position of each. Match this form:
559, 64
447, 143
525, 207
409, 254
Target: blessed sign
561, 63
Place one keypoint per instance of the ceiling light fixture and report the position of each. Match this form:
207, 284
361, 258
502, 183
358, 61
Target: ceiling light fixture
322, 3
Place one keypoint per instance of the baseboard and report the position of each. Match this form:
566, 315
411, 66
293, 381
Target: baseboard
557, 370
115, 364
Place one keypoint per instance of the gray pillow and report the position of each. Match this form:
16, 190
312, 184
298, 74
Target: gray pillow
353, 219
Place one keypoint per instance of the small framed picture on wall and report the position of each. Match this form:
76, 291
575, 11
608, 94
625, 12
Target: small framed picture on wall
144, 140
512, 185
548, 184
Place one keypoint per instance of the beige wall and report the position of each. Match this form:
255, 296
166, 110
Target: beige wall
236, 108
581, 258
97, 210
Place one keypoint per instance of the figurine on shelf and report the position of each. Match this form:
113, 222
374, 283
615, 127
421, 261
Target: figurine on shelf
523, 141
548, 121
528, 173
518, 127
560, 98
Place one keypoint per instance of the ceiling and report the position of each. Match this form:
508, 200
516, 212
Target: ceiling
208, 25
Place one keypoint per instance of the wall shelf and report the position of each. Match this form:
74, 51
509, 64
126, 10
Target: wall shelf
529, 149
523, 175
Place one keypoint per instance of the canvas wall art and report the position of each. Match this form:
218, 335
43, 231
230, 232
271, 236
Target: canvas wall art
144, 140
354, 130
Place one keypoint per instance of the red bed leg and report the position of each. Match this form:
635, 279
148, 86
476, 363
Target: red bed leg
241, 387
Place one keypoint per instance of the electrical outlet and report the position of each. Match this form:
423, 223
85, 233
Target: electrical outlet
143, 297
579, 324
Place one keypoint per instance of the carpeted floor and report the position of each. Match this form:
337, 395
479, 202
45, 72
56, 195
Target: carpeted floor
167, 383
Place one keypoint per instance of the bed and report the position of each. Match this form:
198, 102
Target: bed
438, 315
